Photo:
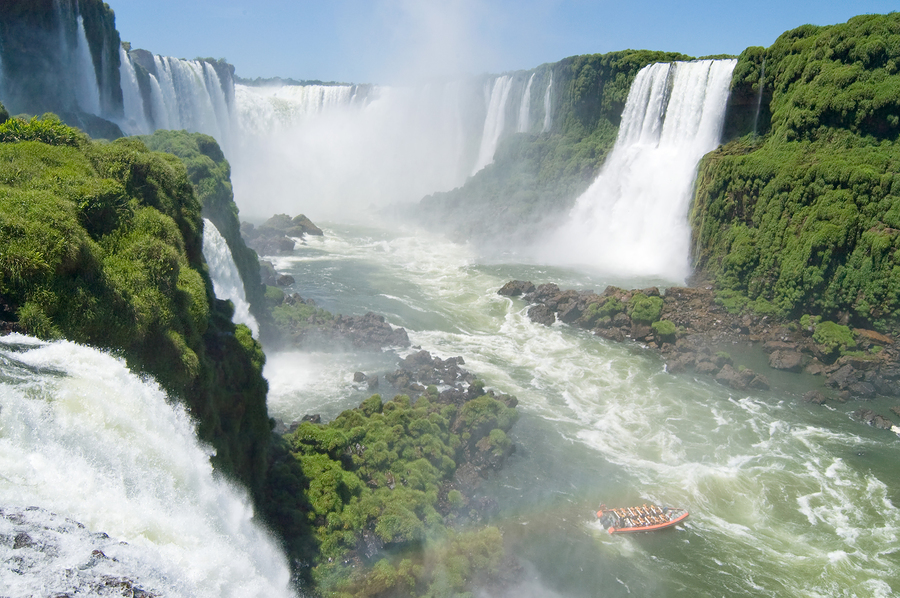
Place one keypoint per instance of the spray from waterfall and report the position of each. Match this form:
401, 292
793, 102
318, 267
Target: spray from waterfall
85, 442
340, 151
525, 108
632, 220
226, 279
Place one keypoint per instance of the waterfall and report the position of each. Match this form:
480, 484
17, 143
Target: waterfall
87, 92
547, 105
633, 218
494, 122
135, 119
525, 108
85, 442
263, 109
335, 150
226, 279
759, 95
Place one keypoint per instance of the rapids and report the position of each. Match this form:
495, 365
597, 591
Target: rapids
785, 498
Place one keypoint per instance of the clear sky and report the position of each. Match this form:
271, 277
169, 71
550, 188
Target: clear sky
387, 41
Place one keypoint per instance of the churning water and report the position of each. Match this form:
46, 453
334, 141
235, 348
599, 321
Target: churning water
95, 459
786, 499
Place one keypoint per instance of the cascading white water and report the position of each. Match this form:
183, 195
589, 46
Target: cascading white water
187, 95
633, 217
330, 151
83, 438
226, 279
87, 92
262, 109
134, 120
547, 114
525, 108
494, 122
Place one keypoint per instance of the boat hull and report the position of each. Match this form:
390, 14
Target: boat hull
630, 520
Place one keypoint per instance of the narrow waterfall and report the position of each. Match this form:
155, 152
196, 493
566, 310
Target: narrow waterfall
134, 119
494, 122
633, 218
525, 108
547, 117
759, 95
87, 91
85, 442
226, 279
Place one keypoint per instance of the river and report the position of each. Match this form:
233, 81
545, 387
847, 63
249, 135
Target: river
786, 498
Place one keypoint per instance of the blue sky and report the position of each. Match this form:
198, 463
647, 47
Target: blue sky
389, 41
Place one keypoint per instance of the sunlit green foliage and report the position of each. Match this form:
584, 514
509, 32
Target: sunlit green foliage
380, 470
100, 243
599, 311
807, 219
645, 309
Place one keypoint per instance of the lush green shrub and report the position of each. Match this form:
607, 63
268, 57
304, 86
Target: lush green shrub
645, 309
834, 337
664, 330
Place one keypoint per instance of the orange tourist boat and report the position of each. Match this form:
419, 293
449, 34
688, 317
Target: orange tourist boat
646, 518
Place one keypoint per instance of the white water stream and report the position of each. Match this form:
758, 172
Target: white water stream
226, 279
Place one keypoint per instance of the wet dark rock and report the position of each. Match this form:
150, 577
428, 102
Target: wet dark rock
871, 418
786, 359
515, 288
284, 280
817, 397
843, 377
359, 377
541, 314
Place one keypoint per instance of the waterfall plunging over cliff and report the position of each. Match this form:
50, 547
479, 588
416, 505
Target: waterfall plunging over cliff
547, 114
633, 217
494, 122
525, 108
226, 279
87, 92
83, 438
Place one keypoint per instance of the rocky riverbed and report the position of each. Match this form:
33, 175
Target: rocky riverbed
693, 332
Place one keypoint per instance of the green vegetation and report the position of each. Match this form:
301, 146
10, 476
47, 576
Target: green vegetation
381, 476
536, 176
807, 219
210, 175
101, 243
601, 311
645, 309
665, 330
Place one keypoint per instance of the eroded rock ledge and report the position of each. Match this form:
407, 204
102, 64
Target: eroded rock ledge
692, 332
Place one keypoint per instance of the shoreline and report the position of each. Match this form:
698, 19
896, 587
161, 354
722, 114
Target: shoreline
688, 329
